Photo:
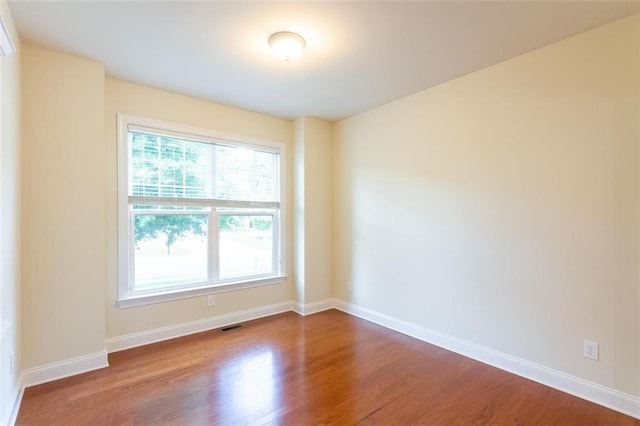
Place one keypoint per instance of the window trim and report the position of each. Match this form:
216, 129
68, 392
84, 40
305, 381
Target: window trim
124, 124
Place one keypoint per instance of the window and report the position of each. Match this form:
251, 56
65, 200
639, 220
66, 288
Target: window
198, 212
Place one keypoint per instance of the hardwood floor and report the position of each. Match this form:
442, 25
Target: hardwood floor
327, 368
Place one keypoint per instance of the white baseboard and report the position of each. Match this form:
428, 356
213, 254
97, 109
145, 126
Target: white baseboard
11, 415
602, 395
128, 341
312, 308
66, 368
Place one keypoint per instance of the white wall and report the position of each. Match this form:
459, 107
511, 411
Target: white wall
502, 207
313, 194
9, 221
63, 207
132, 99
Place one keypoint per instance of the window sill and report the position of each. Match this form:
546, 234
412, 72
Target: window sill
148, 299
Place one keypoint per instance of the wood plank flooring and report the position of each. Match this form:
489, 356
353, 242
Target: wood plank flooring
327, 368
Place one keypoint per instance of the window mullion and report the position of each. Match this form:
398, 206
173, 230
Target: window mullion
202, 202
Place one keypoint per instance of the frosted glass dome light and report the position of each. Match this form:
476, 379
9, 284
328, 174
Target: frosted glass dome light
286, 44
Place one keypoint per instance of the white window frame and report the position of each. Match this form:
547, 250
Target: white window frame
127, 297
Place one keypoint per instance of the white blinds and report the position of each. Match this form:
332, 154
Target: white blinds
171, 168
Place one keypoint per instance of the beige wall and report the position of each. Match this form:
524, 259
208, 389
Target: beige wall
638, 210
63, 207
502, 207
9, 220
313, 157
319, 206
298, 210
127, 98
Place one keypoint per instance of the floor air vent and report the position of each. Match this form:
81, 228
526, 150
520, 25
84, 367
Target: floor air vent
231, 327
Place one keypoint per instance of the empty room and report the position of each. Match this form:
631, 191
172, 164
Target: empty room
305, 213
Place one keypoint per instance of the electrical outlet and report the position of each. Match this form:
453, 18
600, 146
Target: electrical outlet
11, 363
591, 350
349, 286
210, 300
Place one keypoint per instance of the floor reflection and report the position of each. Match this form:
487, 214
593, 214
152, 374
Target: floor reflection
252, 387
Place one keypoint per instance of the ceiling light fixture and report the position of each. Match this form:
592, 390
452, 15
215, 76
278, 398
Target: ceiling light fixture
286, 44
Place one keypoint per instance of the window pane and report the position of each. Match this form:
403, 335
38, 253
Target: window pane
169, 167
170, 250
246, 174
246, 245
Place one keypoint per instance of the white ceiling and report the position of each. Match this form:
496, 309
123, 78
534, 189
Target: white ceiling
359, 54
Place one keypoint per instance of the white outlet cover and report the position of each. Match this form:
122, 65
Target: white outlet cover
591, 350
